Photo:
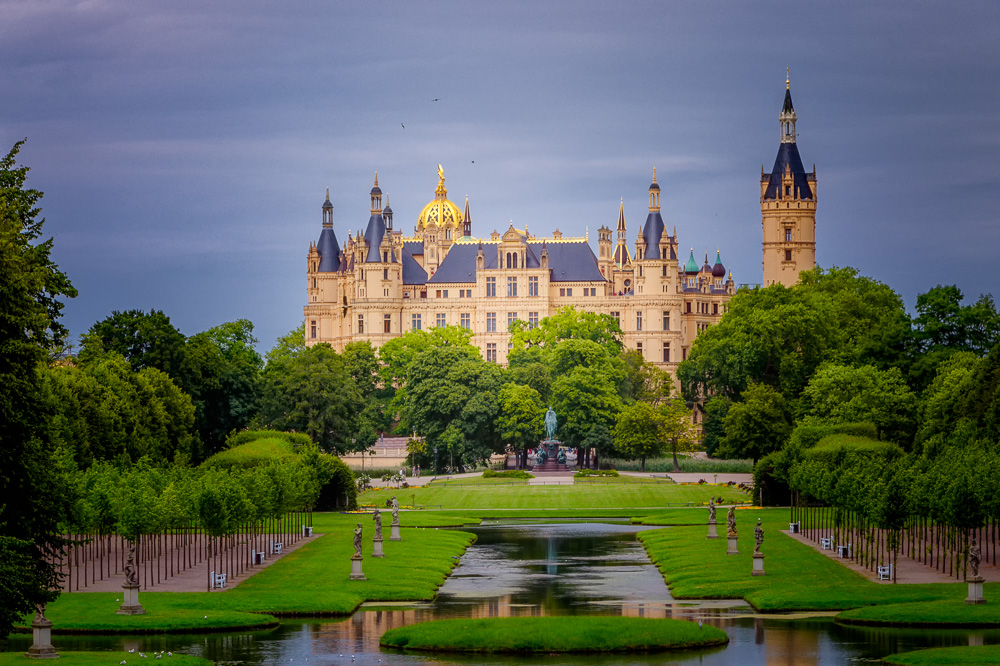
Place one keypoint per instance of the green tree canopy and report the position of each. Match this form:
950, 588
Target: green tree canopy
33, 483
758, 425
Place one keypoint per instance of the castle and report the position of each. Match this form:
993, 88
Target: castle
378, 285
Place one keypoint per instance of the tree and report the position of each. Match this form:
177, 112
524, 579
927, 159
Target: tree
520, 421
713, 425
758, 425
637, 432
567, 323
146, 340
33, 485
582, 399
675, 428
221, 372
845, 394
311, 392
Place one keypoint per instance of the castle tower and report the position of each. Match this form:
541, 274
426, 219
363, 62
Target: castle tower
788, 207
622, 258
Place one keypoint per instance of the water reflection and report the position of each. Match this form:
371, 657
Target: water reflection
571, 569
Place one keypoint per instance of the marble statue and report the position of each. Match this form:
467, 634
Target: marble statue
731, 522
550, 424
131, 573
711, 510
39, 614
377, 517
395, 511
758, 535
357, 541
975, 557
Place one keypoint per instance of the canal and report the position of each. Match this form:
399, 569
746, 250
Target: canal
567, 569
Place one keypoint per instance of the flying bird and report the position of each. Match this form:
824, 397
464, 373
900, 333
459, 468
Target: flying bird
436, 99
402, 125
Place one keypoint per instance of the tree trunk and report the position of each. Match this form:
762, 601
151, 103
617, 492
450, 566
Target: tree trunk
643, 467
677, 467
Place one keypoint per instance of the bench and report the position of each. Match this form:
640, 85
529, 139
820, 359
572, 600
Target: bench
795, 528
257, 557
218, 580
276, 547
885, 573
844, 550
307, 530
826, 543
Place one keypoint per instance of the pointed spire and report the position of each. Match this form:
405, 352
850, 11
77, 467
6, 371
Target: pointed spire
467, 216
787, 116
654, 195
327, 192
621, 215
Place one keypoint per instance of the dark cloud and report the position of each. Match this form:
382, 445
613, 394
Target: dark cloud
184, 147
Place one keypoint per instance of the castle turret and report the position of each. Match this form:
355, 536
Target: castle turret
788, 207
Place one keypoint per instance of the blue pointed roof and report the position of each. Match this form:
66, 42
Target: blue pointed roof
651, 232
329, 251
572, 261
413, 272
373, 236
788, 155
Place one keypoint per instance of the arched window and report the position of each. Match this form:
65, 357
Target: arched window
515, 260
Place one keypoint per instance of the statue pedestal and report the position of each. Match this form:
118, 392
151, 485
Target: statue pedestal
130, 602
732, 547
975, 590
758, 564
712, 534
356, 573
394, 533
377, 551
41, 645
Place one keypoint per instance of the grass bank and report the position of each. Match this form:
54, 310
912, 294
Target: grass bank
981, 654
949, 613
797, 577
553, 634
598, 494
101, 659
311, 581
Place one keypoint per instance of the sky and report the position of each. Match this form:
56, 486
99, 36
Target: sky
185, 147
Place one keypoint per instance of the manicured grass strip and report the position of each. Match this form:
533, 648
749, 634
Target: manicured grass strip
641, 493
980, 654
553, 634
166, 613
101, 659
930, 614
797, 577
311, 581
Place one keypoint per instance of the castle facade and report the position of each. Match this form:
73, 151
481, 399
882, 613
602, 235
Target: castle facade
377, 285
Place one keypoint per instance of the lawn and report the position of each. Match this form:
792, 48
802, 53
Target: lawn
797, 577
101, 659
932, 614
638, 493
553, 634
312, 580
988, 654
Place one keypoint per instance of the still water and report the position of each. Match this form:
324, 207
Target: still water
536, 569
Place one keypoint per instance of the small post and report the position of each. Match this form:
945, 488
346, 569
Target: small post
41, 633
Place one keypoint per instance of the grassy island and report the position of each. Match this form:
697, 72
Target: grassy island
982, 654
554, 634
951, 613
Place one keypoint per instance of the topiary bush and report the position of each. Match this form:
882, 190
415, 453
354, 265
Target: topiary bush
507, 474
595, 472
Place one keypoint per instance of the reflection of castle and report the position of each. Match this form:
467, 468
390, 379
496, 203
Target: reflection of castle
381, 284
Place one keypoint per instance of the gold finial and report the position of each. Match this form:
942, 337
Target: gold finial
440, 173
376, 179
587, 235
654, 174
327, 192
786, 78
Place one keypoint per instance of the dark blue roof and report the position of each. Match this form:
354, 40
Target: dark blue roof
373, 236
788, 155
787, 106
413, 272
568, 262
652, 231
413, 247
329, 251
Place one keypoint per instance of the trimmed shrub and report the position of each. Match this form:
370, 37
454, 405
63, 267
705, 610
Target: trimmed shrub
507, 474
595, 472
296, 439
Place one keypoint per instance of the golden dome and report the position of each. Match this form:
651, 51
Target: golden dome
440, 211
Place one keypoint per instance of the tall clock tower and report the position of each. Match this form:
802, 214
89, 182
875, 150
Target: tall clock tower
788, 207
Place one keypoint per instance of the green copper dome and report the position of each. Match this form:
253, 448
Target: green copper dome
692, 265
